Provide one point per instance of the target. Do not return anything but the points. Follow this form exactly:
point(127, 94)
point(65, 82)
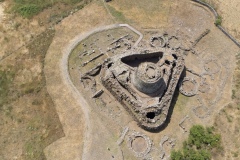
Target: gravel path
point(68, 107)
point(71, 107)
point(1, 12)
point(78, 95)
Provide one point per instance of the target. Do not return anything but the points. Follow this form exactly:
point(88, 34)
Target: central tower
point(148, 78)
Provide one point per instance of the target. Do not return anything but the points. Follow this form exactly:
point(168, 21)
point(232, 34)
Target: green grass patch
point(117, 14)
point(29, 8)
point(32, 150)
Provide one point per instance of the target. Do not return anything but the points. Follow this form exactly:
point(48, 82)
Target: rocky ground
point(29, 105)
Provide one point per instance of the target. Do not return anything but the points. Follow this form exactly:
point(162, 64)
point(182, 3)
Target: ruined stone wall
point(131, 103)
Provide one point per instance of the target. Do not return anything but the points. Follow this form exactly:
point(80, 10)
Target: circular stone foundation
point(188, 87)
point(204, 87)
point(158, 41)
point(211, 67)
point(139, 143)
point(174, 42)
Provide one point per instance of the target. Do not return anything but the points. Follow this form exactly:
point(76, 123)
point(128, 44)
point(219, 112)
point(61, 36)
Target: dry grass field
point(229, 10)
point(39, 115)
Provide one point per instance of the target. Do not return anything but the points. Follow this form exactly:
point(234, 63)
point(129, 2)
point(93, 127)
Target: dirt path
point(1, 12)
point(76, 95)
point(66, 98)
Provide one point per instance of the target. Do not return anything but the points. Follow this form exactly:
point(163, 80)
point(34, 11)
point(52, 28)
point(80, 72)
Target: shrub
point(199, 144)
point(202, 138)
point(176, 155)
point(218, 21)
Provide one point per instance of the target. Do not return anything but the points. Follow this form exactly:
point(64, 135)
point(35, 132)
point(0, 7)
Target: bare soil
point(37, 115)
point(1, 12)
point(227, 123)
point(29, 121)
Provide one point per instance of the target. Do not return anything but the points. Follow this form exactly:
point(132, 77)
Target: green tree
point(176, 155)
point(199, 144)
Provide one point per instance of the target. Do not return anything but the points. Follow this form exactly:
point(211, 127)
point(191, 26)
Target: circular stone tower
point(148, 78)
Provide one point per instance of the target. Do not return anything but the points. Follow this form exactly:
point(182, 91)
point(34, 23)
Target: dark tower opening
point(175, 56)
point(167, 62)
point(174, 64)
point(109, 65)
point(164, 71)
point(150, 115)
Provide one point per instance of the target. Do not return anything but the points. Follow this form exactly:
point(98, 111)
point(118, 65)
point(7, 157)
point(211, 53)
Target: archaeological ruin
point(144, 83)
point(138, 88)
point(141, 75)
